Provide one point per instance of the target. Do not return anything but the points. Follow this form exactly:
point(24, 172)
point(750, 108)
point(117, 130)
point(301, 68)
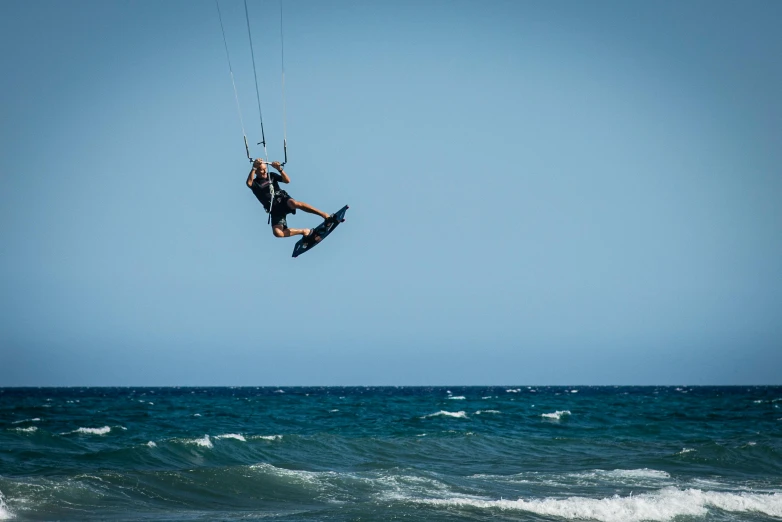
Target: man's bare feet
point(309, 235)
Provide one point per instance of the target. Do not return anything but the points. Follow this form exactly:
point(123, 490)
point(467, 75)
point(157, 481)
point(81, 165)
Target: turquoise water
point(460, 453)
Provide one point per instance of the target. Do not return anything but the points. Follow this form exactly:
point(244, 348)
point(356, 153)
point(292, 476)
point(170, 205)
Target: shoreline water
point(419, 453)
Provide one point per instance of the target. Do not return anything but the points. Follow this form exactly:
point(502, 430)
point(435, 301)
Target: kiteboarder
point(277, 202)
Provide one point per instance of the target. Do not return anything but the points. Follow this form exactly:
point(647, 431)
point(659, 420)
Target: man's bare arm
point(285, 178)
point(250, 178)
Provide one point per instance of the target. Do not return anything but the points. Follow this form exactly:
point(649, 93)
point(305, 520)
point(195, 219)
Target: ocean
point(531, 453)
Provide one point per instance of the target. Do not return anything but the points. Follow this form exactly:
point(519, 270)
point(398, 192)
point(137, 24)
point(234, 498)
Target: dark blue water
point(490, 453)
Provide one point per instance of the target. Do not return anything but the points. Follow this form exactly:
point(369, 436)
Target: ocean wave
point(515, 390)
point(458, 397)
point(480, 412)
point(307, 476)
point(90, 431)
point(396, 486)
point(4, 513)
point(267, 437)
point(663, 505)
point(204, 442)
point(234, 436)
point(643, 473)
point(641, 478)
point(557, 415)
point(320, 483)
point(31, 429)
point(455, 414)
point(27, 420)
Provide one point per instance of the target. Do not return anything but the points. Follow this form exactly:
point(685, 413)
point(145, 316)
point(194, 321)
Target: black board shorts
point(280, 210)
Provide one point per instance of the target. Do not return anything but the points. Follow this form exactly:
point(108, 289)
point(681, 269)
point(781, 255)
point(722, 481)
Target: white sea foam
point(333, 411)
point(395, 486)
point(91, 431)
point(458, 397)
point(487, 397)
point(151, 444)
point(663, 505)
point(557, 415)
point(455, 414)
point(643, 473)
point(297, 474)
point(235, 436)
point(267, 437)
point(27, 420)
point(196, 415)
point(204, 442)
point(279, 391)
point(31, 429)
point(685, 450)
point(5, 514)
point(517, 390)
point(481, 412)
point(644, 477)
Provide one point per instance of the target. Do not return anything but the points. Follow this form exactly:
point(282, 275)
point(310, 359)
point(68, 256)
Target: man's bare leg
point(290, 232)
point(292, 203)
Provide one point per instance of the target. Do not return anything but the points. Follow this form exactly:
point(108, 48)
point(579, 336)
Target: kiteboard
point(320, 232)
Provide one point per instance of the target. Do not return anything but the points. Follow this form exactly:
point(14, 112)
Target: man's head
point(259, 165)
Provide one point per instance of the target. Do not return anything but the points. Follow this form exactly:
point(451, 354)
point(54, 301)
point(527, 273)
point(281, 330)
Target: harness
point(271, 199)
point(274, 196)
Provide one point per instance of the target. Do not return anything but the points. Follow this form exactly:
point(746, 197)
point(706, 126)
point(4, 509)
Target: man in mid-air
point(276, 201)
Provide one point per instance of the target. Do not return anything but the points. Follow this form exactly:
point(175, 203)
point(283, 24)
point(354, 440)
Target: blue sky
point(541, 193)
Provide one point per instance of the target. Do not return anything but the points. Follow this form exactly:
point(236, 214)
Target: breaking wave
point(662, 506)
